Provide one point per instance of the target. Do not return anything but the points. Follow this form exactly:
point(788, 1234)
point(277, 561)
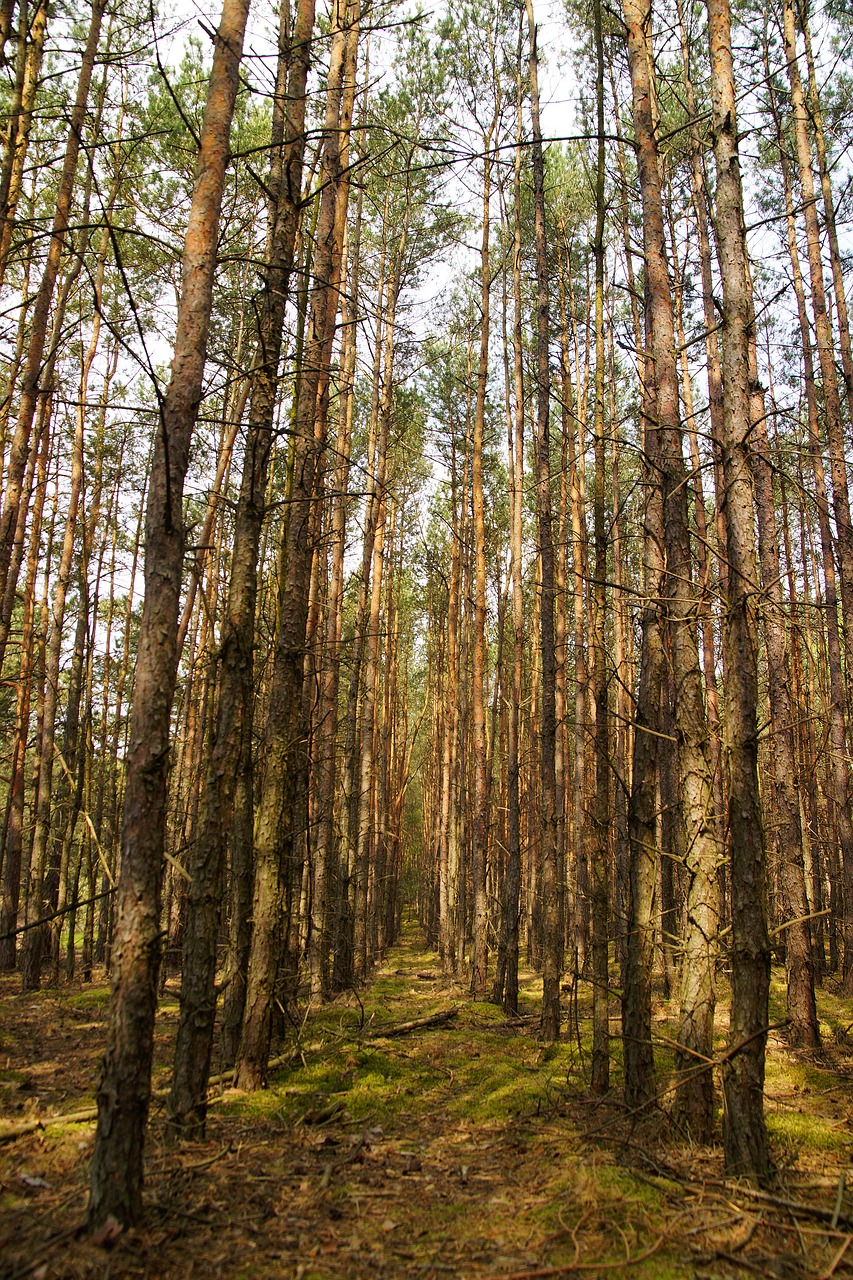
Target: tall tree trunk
point(581, 805)
point(124, 1090)
point(638, 1052)
point(601, 855)
point(282, 808)
point(321, 935)
point(14, 825)
point(744, 1129)
point(832, 405)
point(799, 967)
point(343, 975)
point(31, 37)
point(33, 369)
point(35, 941)
point(838, 729)
point(835, 259)
point(505, 990)
point(552, 872)
point(480, 817)
point(695, 1094)
point(449, 799)
point(188, 1099)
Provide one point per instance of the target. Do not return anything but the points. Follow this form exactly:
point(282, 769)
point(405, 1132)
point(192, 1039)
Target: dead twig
point(839, 1200)
point(205, 1164)
point(839, 1254)
point(568, 1267)
point(832, 1216)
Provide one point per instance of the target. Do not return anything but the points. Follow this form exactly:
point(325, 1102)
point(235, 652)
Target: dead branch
point(416, 1024)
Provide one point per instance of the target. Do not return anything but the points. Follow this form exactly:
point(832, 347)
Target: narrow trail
point(451, 1150)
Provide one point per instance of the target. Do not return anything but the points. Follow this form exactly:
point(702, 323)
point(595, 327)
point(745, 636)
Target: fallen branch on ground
point(416, 1024)
point(20, 1129)
point(832, 1216)
point(9, 1133)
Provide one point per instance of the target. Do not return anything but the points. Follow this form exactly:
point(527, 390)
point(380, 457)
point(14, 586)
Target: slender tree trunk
point(832, 406)
point(695, 1094)
point(376, 465)
point(31, 40)
point(449, 800)
point(282, 808)
point(638, 1053)
point(33, 368)
point(35, 940)
point(480, 817)
point(835, 259)
point(744, 1129)
point(583, 827)
point(802, 1011)
point(188, 1099)
point(838, 732)
point(552, 872)
point(366, 828)
point(601, 856)
point(124, 1091)
point(505, 990)
point(14, 828)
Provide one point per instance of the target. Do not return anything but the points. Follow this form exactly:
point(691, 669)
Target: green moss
point(621, 1186)
point(11, 1076)
point(91, 998)
point(797, 1131)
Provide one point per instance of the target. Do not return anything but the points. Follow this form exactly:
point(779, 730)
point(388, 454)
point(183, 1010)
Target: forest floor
point(463, 1149)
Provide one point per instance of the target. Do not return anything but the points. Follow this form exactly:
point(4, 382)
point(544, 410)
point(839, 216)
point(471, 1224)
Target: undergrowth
point(467, 1148)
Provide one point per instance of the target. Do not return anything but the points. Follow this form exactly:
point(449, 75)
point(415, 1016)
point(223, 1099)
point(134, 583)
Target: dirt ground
point(465, 1149)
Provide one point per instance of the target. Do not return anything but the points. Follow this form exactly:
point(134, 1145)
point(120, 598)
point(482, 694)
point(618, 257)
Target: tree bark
point(744, 1129)
point(832, 406)
point(638, 1052)
point(282, 808)
point(124, 1090)
point(601, 819)
point(480, 816)
point(188, 1098)
point(695, 1093)
point(33, 368)
point(551, 886)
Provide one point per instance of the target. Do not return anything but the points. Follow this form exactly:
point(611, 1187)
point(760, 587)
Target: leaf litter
point(452, 1147)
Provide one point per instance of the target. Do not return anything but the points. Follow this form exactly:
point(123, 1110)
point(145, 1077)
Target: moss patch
point(469, 1149)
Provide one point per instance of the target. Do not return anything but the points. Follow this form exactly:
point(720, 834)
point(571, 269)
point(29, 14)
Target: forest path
point(452, 1150)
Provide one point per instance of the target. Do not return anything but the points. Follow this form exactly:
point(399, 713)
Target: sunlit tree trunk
point(838, 729)
point(31, 389)
point(638, 1052)
point(31, 37)
point(282, 807)
point(601, 819)
point(188, 1099)
point(694, 1097)
point(480, 816)
point(124, 1090)
point(551, 886)
point(831, 401)
point(744, 1129)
